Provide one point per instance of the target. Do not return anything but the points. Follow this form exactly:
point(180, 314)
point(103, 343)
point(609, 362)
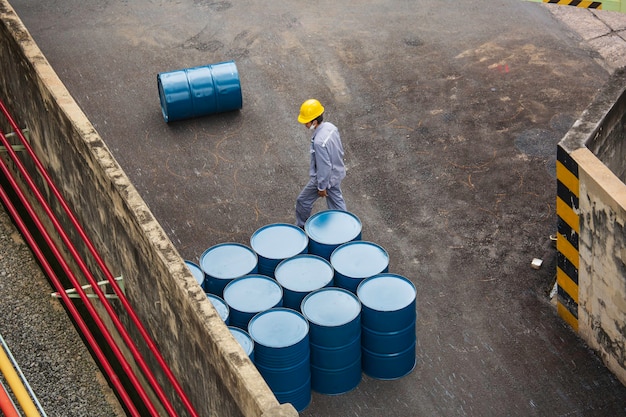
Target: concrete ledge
point(593, 248)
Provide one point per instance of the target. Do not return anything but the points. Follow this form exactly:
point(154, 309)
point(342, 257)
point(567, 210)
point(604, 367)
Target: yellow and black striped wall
point(613, 5)
point(577, 3)
point(568, 229)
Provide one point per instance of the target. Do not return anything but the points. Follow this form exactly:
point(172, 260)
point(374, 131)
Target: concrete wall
point(207, 361)
point(608, 144)
point(591, 239)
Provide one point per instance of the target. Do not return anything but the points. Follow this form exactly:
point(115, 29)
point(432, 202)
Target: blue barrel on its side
point(199, 91)
point(244, 340)
point(249, 295)
point(276, 242)
point(281, 346)
point(220, 306)
point(329, 229)
point(197, 273)
point(223, 263)
point(302, 275)
point(388, 318)
point(334, 317)
point(355, 261)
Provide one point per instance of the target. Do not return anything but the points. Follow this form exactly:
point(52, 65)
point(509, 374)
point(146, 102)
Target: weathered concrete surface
point(604, 32)
point(595, 147)
point(602, 283)
point(450, 113)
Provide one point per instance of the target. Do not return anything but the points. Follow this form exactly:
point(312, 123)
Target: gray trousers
point(308, 196)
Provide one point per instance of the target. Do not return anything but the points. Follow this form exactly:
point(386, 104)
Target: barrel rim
point(189, 263)
point(210, 296)
point(284, 262)
point(287, 225)
point(366, 282)
point(238, 280)
point(335, 289)
point(341, 247)
point(162, 99)
point(235, 329)
point(272, 311)
point(310, 220)
point(219, 245)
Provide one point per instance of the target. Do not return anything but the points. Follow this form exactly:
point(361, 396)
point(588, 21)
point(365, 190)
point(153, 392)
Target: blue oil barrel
point(281, 345)
point(245, 341)
point(276, 242)
point(388, 318)
point(329, 229)
point(220, 306)
point(224, 262)
point(334, 317)
point(249, 295)
point(355, 261)
point(301, 275)
point(197, 272)
point(199, 91)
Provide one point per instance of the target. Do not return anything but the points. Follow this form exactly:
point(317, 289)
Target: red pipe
point(6, 404)
point(92, 311)
point(115, 381)
point(132, 314)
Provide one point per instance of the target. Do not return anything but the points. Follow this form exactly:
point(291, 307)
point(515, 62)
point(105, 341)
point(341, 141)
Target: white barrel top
point(304, 273)
point(386, 292)
point(278, 328)
point(331, 307)
point(359, 259)
point(228, 260)
point(279, 241)
point(243, 338)
point(196, 271)
point(333, 227)
point(219, 305)
point(253, 293)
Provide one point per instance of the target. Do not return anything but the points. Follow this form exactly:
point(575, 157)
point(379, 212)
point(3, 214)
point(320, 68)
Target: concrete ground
point(449, 112)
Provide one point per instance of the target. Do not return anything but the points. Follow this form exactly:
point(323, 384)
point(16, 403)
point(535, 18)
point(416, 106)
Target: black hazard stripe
point(577, 3)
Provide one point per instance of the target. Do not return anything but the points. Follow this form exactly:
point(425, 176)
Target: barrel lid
point(279, 241)
point(386, 292)
point(243, 338)
point(333, 227)
point(228, 260)
point(220, 305)
point(304, 273)
point(196, 271)
point(359, 259)
point(331, 307)
point(278, 327)
point(253, 293)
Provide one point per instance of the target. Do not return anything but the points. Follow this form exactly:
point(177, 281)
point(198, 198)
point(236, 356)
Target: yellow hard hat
point(310, 110)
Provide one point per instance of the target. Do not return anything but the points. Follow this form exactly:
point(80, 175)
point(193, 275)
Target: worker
point(327, 169)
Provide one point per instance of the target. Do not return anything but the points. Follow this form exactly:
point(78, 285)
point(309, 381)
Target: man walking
point(327, 168)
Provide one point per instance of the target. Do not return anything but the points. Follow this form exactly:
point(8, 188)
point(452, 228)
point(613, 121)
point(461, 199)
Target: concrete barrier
point(209, 363)
point(591, 238)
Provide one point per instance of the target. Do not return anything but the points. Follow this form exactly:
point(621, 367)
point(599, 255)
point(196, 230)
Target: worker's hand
point(322, 193)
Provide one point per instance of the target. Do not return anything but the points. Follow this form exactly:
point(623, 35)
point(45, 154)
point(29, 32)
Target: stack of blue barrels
point(313, 308)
